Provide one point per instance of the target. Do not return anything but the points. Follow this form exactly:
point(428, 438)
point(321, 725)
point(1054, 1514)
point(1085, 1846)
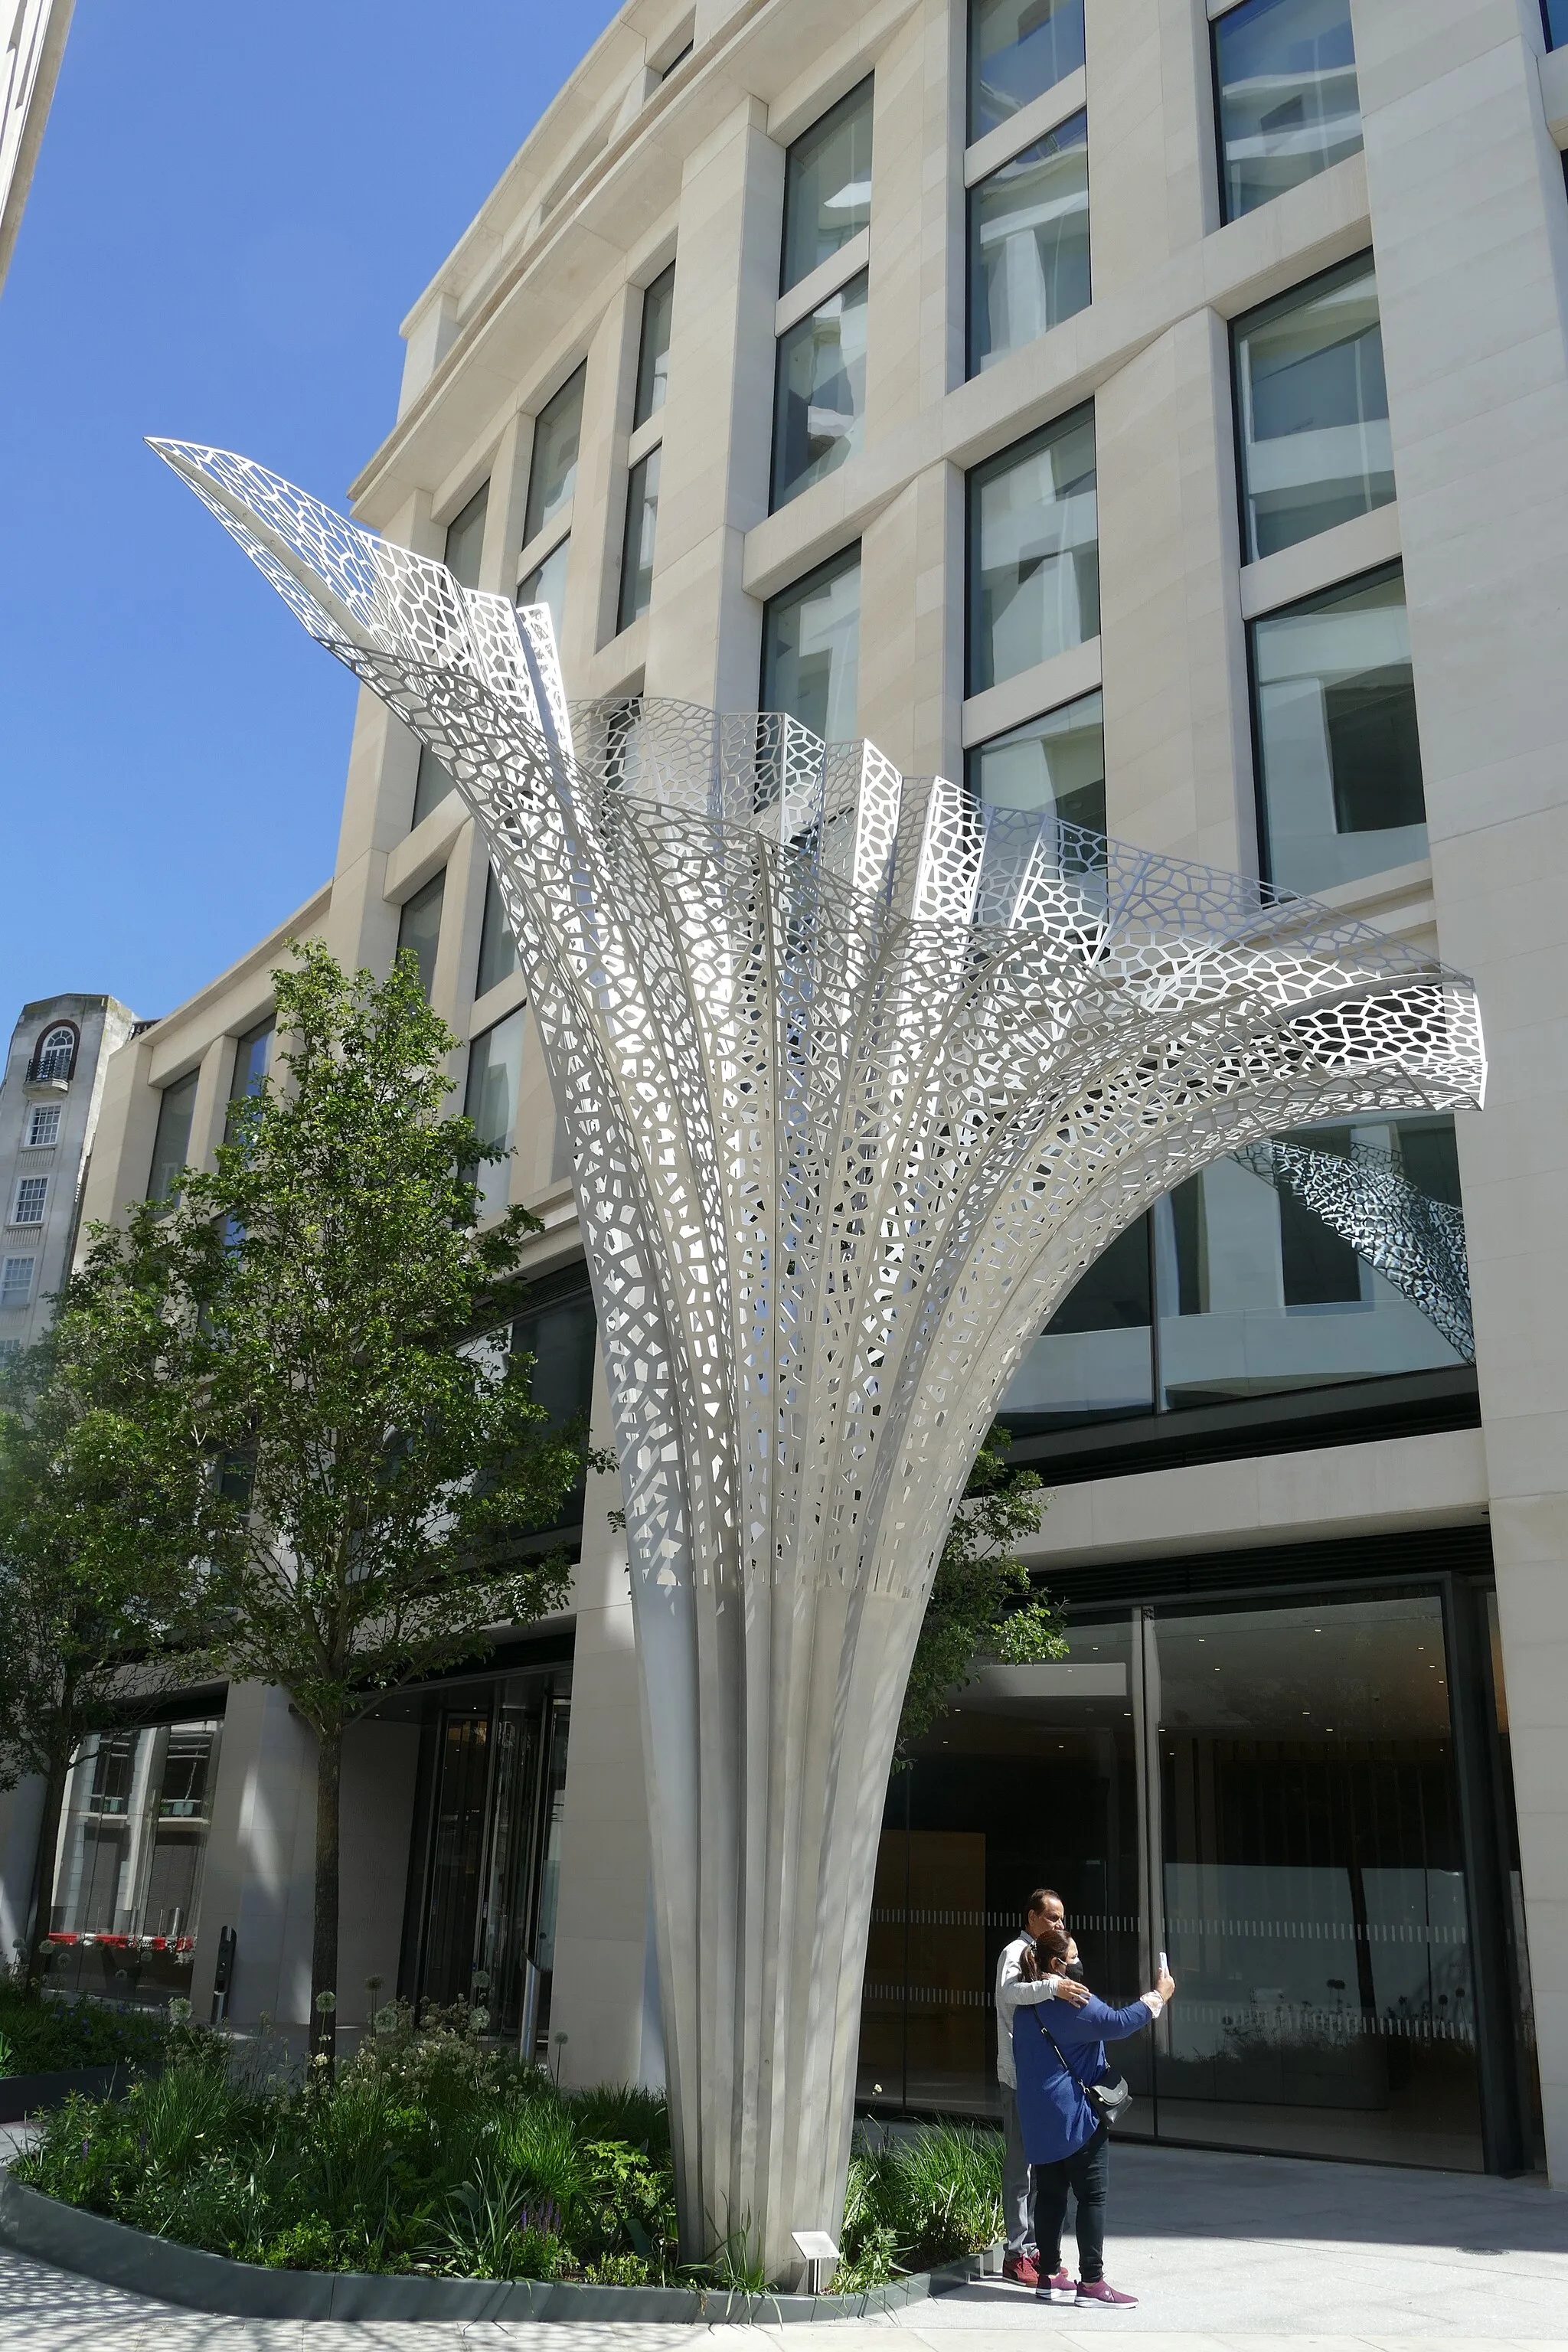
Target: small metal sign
point(814, 2247)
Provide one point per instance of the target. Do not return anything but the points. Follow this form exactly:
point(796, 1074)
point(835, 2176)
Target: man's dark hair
point(1039, 1900)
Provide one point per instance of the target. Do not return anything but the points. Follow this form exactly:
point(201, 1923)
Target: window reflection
point(546, 585)
point(1312, 410)
point(1054, 765)
point(1288, 104)
point(495, 1085)
point(1034, 551)
point(819, 419)
point(1028, 245)
point(811, 649)
point(1017, 50)
point(1256, 1296)
point(1338, 754)
point(827, 186)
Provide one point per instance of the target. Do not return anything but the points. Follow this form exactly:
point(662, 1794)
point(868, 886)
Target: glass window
point(1034, 551)
point(1289, 106)
point(553, 471)
point(172, 1143)
point(43, 1125)
point(1017, 50)
point(495, 1080)
point(677, 59)
point(1269, 1793)
point(466, 539)
point(546, 585)
point(827, 186)
point(653, 346)
point(1338, 759)
point(1256, 1295)
point(497, 949)
point(1312, 410)
point(431, 786)
point(27, 1208)
point(1055, 765)
point(811, 649)
point(252, 1059)
point(1028, 245)
point(819, 406)
point(17, 1281)
point(56, 1055)
point(134, 1836)
point(637, 551)
point(1556, 13)
point(419, 928)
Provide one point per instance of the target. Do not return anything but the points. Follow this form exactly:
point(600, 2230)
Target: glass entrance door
point(1270, 1794)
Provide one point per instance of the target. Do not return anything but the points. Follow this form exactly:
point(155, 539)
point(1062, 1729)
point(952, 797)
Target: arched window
point(57, 1054)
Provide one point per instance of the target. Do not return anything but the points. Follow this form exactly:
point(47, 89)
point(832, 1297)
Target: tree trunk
point(324, 1941)
point(39, 1901)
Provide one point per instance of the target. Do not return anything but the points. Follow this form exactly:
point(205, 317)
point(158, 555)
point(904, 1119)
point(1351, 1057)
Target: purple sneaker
point(1102, 2290)
point(1059, 2289)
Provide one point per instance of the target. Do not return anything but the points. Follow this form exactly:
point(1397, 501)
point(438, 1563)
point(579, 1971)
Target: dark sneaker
point(1021, 2270)
point(1059, 2289)
point(1102, 2290)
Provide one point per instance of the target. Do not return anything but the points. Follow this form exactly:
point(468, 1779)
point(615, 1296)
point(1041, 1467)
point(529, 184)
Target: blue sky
point(233, 210)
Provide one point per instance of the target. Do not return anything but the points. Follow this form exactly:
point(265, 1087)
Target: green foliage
point(926, 2198)
point(39, 2035)
point(982, 1600)
point(432, 2152)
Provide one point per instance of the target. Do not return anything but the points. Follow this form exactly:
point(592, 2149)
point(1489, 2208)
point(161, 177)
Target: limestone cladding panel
point(1151, 179)
point(1468, 218)
point(260, 1861)
point(914, 345)
point(912, 628)
point(1172, 653)
point(703, 639)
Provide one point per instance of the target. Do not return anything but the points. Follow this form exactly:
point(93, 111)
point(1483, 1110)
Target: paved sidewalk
point(1229, 2253)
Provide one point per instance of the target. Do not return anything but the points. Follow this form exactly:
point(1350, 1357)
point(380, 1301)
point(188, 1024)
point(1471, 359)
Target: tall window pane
point(1017, 50)
point(546, 585)
point(1094, 1360)
point(653, 347)
point(1054, 766)
point(1341, 763)
point(828, 185)
point(811, 649)
point(1034, 551)
point(637, 554)
point(1288, 105)
point(819, 416)
point(553, 471)
point(495, 1079)
point(1028, 245)
point(419, 928)
point(252, 1058)
point(1312, 410)
point(465, 543)
point(1556, 14)
point(497, 949)
point(172, 1142)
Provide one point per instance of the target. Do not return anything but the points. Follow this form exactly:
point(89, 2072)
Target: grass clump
point(913, 2202)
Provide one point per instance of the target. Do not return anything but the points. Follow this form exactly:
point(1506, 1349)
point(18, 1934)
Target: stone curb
point(40, 2226)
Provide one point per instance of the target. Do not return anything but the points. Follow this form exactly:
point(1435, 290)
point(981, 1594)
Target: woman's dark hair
point(1051, 1950)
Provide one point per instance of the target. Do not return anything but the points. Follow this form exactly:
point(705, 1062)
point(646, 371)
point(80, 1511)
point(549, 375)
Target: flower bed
point(40, 2035)
point(432, 2155)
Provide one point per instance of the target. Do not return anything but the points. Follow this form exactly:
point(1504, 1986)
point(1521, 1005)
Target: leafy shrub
point(41, 2035)
point(926, 2198)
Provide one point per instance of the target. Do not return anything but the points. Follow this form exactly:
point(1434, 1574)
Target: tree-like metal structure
point(1415, 1241)
point(858, 1077)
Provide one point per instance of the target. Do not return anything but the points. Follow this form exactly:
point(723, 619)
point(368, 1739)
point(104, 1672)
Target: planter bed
point(40, 2226)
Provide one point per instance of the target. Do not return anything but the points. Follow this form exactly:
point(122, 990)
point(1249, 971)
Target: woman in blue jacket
point(1058, 2052)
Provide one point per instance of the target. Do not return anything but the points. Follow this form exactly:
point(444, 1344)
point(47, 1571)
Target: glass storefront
point(486, 1863)
point(1268, 1792)
point(128, 1866)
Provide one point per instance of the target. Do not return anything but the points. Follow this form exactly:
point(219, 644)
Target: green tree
point(105, 1503)
point(374, 1456)
point(982, 1601)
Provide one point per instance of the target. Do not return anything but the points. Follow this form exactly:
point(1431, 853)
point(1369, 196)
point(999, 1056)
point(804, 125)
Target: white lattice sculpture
point(1364, 1196)
point(858, 1078)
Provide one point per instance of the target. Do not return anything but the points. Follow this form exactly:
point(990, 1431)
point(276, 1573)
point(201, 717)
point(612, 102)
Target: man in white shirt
point(1044, 1909)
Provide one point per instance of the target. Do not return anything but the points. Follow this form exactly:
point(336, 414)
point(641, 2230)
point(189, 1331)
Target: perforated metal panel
point(860, 1077)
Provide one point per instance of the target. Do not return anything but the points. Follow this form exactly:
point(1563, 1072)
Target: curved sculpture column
point(858, 1078)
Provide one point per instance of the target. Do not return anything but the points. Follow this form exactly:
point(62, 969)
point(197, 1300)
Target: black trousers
point(1088, 2175)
